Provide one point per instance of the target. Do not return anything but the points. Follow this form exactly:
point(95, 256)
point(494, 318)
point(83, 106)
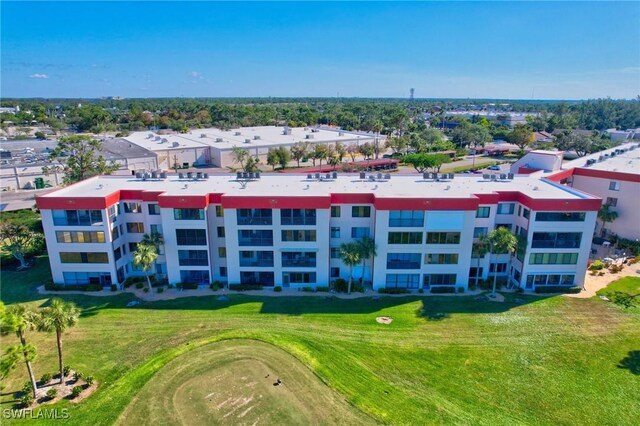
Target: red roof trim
point(426, 203)
point(283, 202)
point(353, 198)
point(184, 201)
point(607, 174)
point(561, 175)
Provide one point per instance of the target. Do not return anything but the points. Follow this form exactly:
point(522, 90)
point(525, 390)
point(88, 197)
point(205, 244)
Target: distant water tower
point(411, 92)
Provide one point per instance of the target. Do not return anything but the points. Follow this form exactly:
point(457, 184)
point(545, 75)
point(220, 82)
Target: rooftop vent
point(205, 175)
point(503, 176)
point(256, 138)
point(180, 175)
point(309, 176)
point(494, 177)
point(164, 140)
point(150, 135)
point(138, 175)
point(158, 138)
point(236, 133)
point(154, 175)
point(163, 175)
point(202, 135)
point(363, 175)
point(189, 175)
point(198, 175)
point(247, 141)
point(340, 133)
point(308, 136)
point(387, 176)
point(286, 130)
point(218, 139)
point(334, 175)
point(510, 176)
point(175, 144)
point(238, 175)
point(485, 177)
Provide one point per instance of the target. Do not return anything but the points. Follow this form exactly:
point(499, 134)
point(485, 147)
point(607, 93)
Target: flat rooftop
point(404, 186)
point(626, 162)
point(268, 136)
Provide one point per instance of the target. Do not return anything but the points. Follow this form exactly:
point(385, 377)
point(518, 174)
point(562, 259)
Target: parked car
point(494, 167)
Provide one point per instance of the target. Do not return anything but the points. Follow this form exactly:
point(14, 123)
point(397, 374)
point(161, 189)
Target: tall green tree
point(479, 250)
point(144, 257)
point(368, 249)
point(19, 319)
point(521, 136)
point(154, 239)
point(424, 162)
point(500, 241)
point(319, 153)
point(58, 316)
point(606, 215)
point(80, 158)
point(299, 150)
point(18, 240)
point(350, 256)
point(377, 128)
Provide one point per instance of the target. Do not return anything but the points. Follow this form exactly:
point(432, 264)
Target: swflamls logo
point(38, 414)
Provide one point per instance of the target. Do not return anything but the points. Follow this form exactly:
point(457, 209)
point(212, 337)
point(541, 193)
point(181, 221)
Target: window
point(439, 279)
point(77, 217)
point(117, 253)
point(553, 258)
point(335, 252)
point(135, 227)
point(198, 277)
point(614, 186)
point(475, 272)
point(222, 252)
point(299, 235)
point(223, 271)
point(335, 232)
point(219, 211)
point(124, 248)
point(193, 258)
point(252, 277)
point(359, 232)
point(133, 247)
point(506, 208)
point(298, 277)
point(114, 210)
point(498, 268)
point(441, 259)
point(132, 207)
point(191, 237)
point(483, 212)
point(298, 259)
point(297, 216)
point(80, 236)
point(103, 278)
point(248, 237)
point(361, 211)
point(556, 239)
point(612, 201)
point(560, 216)
point(115, 233)
point(188, 214)
point(220, 230)
point(254, 216)
point(403, 260)
point(503, 225)
point(156, 229)
point(406, 218)
point(256, 258)
point(480, 232)
point(402, 281)
point(154, 209)
point(525, 213)
point(83, 257)
point(553, 279)
point(335, 272)
point(335, 211)
point(443, 238)
point(405, 238)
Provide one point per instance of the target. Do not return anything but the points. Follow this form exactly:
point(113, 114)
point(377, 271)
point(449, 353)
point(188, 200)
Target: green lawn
point(443, 360)
point(629, 285)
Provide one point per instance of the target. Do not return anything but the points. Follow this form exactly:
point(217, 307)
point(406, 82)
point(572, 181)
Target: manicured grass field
point(629, 285)
point(443, 360)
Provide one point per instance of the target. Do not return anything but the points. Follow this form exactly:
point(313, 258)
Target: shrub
point(27, 387)
point(614, 269)
point(66, 370)
point(601, 273)
point(132, 280)
point(460, 289)
point(114, 287)
point(215, 286)
point(160, 289)
point(322, 288)
point(308, 289)
point(420, 290)
point(76, 391)
point(245, 287)
point(146, 289)
point(77, 376)
point(277, 289)
point(557, 289)
point(46, 378)
point(52, 393)
point(139, 285)
point(26, 400)
point(442, 290)
point(89, 380)
point(596, 265)
point(341, 286)
point(393, 291)
point(72, 287)
point(187, 286)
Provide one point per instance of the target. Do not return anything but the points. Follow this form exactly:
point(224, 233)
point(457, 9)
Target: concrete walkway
point(593, 283)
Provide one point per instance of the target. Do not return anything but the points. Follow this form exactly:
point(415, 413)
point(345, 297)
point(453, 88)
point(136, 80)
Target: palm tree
point(19, 319)
point(350, 256)
point(368, 249)
point(500, 241)
point(377, 128)
point(154, 239)
point(479, 250)
point(144, 257)
point(605, 214)
point(58, 317)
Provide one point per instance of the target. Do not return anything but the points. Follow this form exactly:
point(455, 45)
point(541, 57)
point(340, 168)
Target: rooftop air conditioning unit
point(238, 175)
point(340, 133)
point(387, 176)
point(334, 175)
point(363, 175)
point(175, 144)
point(247, 141)
point(158, 138)
point(198, 175)
point(503, 176)
point(510, 176)
point(163, 175)
point(202, 135)
point(256, 138)
point(218, 139)
point(150, 135)
point(154, 175)
point(309, 176)
point(237, 133)
point(485, 177)
point(180, 175)
point(308, 137)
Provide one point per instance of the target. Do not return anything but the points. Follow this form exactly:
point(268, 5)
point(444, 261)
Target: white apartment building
point(286, 230)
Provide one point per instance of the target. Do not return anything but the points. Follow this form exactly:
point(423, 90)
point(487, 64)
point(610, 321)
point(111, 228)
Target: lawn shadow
point(631, 362)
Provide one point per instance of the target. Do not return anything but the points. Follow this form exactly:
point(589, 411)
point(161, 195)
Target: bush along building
point(286, 230)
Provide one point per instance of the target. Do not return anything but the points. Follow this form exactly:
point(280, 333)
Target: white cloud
point(40, 76)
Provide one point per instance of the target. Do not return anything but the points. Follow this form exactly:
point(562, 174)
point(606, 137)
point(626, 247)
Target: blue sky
point(444, 49)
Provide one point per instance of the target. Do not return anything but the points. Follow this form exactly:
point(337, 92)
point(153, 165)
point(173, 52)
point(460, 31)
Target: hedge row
point(73, 287)
point(558, 289)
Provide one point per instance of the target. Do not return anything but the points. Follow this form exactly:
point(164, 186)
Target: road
point(17, 200)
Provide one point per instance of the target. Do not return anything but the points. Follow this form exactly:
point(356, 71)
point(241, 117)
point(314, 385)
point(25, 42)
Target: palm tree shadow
point(631, 362)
